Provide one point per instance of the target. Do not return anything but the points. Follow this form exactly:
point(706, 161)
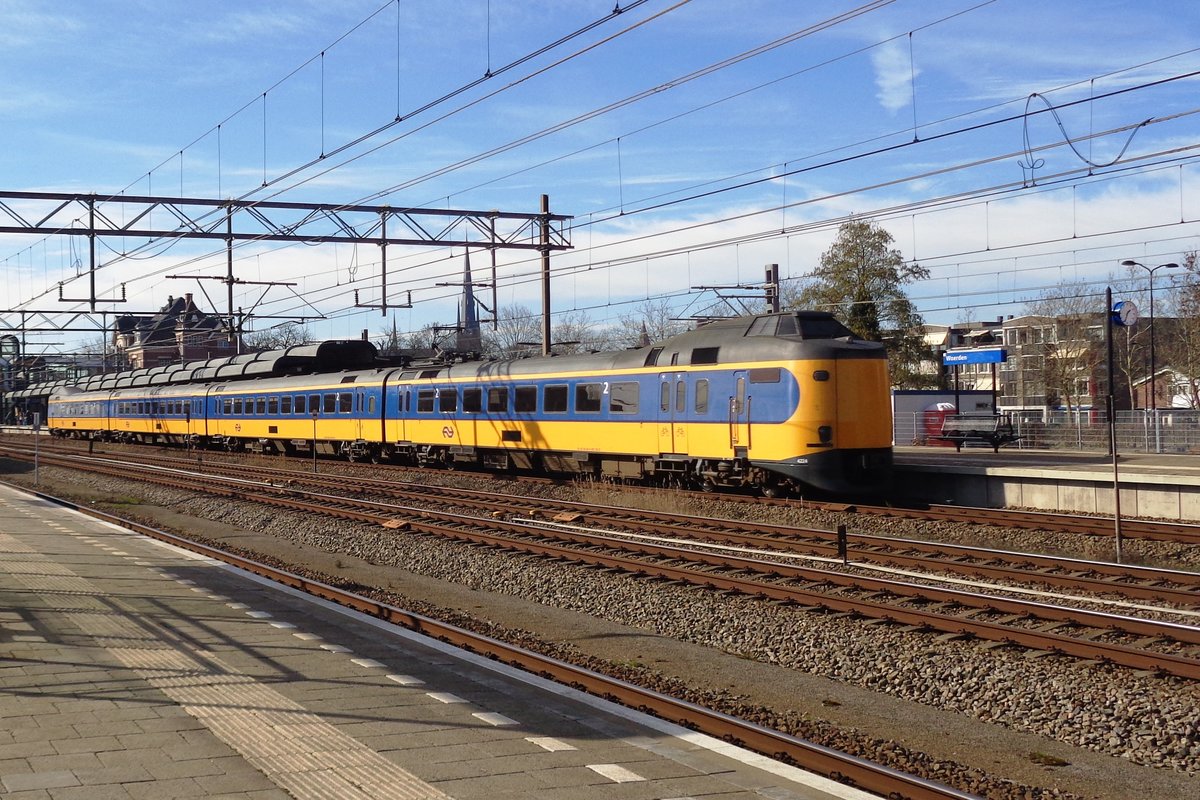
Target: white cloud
point(894, 73)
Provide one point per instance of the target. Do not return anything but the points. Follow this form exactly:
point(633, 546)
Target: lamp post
point(1153, 402)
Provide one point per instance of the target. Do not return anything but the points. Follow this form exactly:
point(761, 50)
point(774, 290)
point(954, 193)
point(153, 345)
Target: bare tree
point(277, 337)
point(652, 321)
point(390, 342)
point(1068, 330)
point(518, 329)
point(1181, 349)
point(574, 332)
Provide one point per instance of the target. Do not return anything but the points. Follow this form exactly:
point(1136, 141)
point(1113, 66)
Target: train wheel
point(773, 490)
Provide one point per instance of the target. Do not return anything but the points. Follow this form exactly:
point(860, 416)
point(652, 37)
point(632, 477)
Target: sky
point(1009, 147)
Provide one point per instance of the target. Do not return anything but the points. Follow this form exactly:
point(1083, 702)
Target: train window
point(554, 400)
point(272, 405)
point(408, 376)
point(425, 400)
point(260, 406)
point(472, 400)
point(652, 357)
point(497, 399)
point(299, 404)
point(285, 404)
point(664, 397)
point(430, 373)
point(823, 328)
point(314, 403)
point(328, 403)
point(787, 326)
point(739, 401)
point(237, 405)
point(371, 405)
point(448, 400)
point(680, 396)
point(763, 326)
point(345, 402)
point(765, 375)
point(588, 397)
point(407, 400)
point(701, 405)
point(526, 399)
point(705, 355)
point(623, 397)
point(349, 379)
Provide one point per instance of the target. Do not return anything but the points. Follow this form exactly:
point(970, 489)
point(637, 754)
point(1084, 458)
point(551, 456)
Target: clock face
point(1125, 313)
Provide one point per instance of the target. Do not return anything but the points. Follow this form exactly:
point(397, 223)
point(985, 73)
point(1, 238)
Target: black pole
point(1112, 418)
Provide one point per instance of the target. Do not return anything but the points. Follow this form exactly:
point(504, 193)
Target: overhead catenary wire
point(597, 221)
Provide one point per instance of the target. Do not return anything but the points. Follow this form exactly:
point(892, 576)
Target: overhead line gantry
point(64, 214)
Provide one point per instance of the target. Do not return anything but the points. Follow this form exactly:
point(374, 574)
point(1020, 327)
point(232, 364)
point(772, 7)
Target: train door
point(672, 412)
point(403, 407)
point(361, 418)
point(739, 415)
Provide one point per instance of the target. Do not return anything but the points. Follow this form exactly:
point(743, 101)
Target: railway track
point(1155, 530)
point(1097, 578)
point(1129, 641)
point(841, 767)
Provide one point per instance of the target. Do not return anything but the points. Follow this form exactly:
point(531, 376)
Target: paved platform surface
point(130, 669)
point(1142, 467)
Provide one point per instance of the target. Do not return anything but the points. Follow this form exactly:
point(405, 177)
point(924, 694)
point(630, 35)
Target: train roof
point(330, 356)
point(776, 336)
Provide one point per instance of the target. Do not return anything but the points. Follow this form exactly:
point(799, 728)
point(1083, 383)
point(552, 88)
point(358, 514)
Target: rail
point(840, 767)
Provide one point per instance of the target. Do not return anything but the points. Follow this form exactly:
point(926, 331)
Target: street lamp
point(1153, 404)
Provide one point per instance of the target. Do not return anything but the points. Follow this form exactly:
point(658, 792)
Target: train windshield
point(805, 326)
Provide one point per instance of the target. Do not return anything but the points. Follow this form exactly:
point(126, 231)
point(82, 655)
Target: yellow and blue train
point(775, 402)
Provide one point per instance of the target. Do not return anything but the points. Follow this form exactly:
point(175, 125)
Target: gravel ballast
point(821, 675)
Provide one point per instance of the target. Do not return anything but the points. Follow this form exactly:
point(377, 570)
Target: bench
point(991, 429)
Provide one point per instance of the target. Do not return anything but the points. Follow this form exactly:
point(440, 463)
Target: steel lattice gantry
point(91, 215)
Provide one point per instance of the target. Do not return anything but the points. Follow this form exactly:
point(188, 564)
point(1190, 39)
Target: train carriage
point(772, 401)
point(340, 411)
point(77, 414)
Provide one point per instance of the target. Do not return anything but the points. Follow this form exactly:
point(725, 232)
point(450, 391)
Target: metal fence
point(1164, 430)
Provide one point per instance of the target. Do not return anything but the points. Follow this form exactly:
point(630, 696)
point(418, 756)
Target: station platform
point(132, 669)
point(1153, 486)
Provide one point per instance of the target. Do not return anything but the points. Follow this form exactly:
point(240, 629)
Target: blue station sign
point(982, 355)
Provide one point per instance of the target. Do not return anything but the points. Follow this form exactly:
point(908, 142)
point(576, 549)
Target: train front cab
point(841, 433)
